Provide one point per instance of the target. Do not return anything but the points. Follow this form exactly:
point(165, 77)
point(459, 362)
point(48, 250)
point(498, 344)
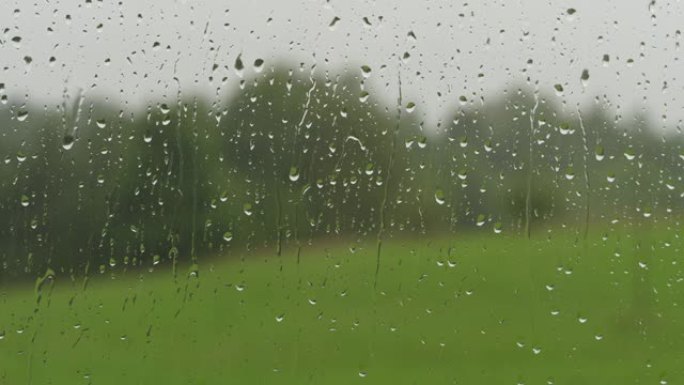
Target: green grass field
point(470, 309)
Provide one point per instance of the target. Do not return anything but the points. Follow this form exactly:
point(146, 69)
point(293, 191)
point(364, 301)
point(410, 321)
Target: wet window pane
point(332, 192)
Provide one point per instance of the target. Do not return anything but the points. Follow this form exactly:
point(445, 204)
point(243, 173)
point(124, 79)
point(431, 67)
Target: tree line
point(292, 157)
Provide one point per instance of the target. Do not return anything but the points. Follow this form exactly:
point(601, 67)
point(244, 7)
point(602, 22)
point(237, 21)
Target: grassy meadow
point(469, 309)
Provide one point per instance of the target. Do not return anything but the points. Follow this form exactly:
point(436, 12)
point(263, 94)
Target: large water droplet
point(366, 71)
point(600, 153)
point(68, 142)
point(294, 174)
point(258, 65)
point(585, 77)
point(630, 154)
point(559, 89)
point(239, 66)
point(439, 196)
point(22, 115)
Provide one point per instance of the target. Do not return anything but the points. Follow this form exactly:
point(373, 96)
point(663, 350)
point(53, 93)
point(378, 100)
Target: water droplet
point(370, 169)
point(439, 196)
point(294, 174)
point(239, 66)
point(585, 77)
point(258, 65)
point(605, 59)
point(405, 58)
point(224, 196)
point(22, 115)
point(16, 41)
point(68, 142)
point(558, 88)
point(570, 174)
point(333, 23)
point(565, 129)
point(366, 71)
point(488, 145)
point(600, 153)
point(247, 209)
point(228, 236)
point(24, 201)
point(410, 107)
point(630, 154)
point(463, 142)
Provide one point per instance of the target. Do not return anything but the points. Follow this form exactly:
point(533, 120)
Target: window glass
point(338, 192)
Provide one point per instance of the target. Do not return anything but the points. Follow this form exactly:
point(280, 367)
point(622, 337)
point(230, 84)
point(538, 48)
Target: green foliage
point(290, 158)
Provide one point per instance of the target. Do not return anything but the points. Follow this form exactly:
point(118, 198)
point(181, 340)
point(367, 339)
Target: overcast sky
point(108, 48)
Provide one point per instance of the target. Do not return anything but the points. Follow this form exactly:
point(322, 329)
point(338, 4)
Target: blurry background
point(331, 192)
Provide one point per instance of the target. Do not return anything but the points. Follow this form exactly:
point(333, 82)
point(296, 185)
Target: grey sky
point(455, 41)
